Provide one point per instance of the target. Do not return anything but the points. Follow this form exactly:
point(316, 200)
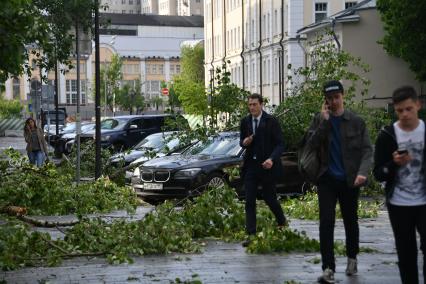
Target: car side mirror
point(133, 126)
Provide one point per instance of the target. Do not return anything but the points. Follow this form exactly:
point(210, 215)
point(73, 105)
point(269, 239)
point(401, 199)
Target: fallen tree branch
point(46, 224)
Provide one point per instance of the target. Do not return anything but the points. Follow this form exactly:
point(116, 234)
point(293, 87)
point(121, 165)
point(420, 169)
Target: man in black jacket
point(400, 160)
point(261, 136)
point(341, 138)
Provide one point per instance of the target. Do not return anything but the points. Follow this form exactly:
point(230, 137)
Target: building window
point(138, 2)
point(320, 11)
point(177, 69)
point(130, 2)
point(172, 69)
point(350, 4)
point(161, 69)
point(71, 92)
point(123, 11)
point(130, 11)
point(16, 88)
point(154, 69)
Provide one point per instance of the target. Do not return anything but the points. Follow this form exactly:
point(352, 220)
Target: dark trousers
point(254, 176)
point(329, 191)
point(405, 220)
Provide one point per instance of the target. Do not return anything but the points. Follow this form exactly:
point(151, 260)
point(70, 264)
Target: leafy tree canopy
point(304, 98)
point(405, 32)
point(42, 26)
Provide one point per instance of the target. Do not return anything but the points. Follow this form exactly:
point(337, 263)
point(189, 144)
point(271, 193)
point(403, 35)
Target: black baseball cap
point(332, 87)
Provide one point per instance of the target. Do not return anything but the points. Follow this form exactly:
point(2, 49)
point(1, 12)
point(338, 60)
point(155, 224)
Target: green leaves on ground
point(307, 207)
point(46, 191)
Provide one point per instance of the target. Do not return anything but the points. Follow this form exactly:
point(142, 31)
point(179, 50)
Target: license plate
point(153, 186)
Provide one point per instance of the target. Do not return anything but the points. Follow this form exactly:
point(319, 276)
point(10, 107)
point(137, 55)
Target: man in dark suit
point(261, 136)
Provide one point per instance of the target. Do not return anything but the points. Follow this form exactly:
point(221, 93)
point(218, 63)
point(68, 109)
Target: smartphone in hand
point(402, 151)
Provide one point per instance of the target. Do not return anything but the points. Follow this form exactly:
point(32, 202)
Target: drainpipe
point(333, 24)
point(243, 44)
point(281, 57)
point(259, 48)
point(211, 63)
point(224, 30)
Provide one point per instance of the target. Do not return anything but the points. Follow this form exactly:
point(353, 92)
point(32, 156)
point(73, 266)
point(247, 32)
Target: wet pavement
point(222, 262)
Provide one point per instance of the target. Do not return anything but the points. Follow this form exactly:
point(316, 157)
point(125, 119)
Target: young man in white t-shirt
point(399, 160)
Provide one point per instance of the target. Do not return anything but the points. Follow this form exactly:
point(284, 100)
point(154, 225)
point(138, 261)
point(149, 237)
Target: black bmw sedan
point(201, 166)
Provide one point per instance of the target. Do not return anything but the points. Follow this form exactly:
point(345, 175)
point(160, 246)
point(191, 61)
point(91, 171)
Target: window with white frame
point(320, 11)
point(71, 92)
point(16, 88)
point(349, 4)
point(275, 22)
point(177, 69)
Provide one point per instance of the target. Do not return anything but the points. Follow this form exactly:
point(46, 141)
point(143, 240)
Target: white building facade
point(155, 7)
point(260, 40)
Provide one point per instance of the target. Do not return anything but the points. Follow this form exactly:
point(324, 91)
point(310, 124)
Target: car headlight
point(105, 138)
point(187, 173)
point(137, 172)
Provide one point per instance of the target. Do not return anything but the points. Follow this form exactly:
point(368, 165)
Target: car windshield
point(87, 127)
point(151, 142)
point(70, 127)
point(157, 142)
point(113, 123)
point(218, 146)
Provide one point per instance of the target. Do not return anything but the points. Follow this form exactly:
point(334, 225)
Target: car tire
point(215, 180)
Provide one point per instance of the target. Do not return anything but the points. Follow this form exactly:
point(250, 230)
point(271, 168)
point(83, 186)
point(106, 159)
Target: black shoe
point(246, 243)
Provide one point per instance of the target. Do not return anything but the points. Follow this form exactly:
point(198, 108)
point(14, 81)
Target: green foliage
point(87, 160)
point(10, 108)
point(305, 97)
point(227, 100)
point(275, 240)
point(405, 32)
point(130, 97)
point(110, 76)
point(42, 22)
point(19, 247)
point(307, 207)
point(46, 191)
point(216, 213)
point(189, 84)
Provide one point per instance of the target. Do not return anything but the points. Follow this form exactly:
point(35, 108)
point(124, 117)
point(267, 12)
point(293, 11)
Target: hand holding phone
point(402, 151)
point(325, 110)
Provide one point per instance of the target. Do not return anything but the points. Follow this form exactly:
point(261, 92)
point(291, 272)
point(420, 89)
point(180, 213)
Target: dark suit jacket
point(267, 143)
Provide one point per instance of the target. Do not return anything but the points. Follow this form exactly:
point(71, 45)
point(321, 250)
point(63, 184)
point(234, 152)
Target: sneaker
point(352, 268)
point(327, 276)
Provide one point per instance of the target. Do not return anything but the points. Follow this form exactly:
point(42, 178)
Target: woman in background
point(36, 145)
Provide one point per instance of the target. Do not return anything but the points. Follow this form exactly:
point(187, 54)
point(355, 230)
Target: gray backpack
point(308, 161)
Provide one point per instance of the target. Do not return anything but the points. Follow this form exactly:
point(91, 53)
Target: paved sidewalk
point(229, 263)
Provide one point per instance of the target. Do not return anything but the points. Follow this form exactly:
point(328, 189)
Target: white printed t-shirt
point(410, 183)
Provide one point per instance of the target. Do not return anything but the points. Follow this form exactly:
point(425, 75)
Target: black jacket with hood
point(385, 168)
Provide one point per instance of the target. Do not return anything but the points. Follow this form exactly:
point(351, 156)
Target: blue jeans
point(37, 158)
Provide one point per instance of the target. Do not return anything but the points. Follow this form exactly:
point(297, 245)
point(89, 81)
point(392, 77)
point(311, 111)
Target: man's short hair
point(403, 93)
point(256, 96)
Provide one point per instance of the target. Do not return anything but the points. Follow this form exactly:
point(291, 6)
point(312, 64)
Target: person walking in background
point(261, 136)
point(399, 160)
point(36, 145)
point(341, 138)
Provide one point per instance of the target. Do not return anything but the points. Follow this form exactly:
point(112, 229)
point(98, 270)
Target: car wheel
point(216, 181)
